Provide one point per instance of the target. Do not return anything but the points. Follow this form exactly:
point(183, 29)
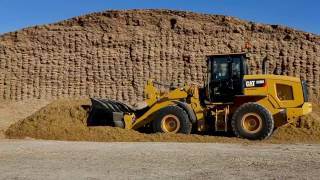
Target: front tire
point(252, 121)
point(172, 119)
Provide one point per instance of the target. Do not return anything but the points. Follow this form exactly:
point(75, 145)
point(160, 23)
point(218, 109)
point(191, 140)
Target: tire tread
point(182, 115)
point(266, 117)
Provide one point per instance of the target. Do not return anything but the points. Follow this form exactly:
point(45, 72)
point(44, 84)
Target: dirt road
point(36, 159)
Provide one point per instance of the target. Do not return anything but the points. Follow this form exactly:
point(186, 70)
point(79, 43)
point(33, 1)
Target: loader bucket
point(105, 112)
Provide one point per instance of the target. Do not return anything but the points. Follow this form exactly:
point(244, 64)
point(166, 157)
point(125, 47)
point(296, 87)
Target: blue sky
point(299, 14)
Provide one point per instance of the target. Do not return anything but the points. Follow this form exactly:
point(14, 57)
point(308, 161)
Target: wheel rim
point(170, 124)
point(251, 123)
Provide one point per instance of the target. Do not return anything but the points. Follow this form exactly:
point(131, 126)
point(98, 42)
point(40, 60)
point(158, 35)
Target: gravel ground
point(39, 159)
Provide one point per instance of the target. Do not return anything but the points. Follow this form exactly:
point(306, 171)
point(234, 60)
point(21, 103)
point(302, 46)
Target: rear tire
point(252, 121)
point(172, 119)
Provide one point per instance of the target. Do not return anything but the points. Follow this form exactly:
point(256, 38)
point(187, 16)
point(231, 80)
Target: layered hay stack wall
point(112, 54)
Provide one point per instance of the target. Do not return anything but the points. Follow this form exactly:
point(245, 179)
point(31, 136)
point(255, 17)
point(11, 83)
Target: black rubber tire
point(265, 115)
point(185, 124)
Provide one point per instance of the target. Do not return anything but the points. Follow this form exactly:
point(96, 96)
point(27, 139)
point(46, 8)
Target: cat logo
point(250, 83)
point(255, 83)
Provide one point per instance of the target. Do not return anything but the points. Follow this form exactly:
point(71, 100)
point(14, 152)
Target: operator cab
point(225, 76)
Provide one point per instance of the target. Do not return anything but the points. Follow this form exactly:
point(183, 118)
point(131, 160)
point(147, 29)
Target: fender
point(188, 109)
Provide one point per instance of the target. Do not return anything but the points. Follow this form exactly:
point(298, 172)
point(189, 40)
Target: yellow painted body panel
point(156, 102)
point(299, 111)
point(272, 76)
point(146, 117)
point(293, 108)
point(197, 108)
point(151, 93)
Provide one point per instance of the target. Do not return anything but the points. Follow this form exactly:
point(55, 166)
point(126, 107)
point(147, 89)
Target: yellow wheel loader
point(251, 106)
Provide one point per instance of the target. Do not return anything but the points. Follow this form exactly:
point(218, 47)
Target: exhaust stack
point(265, 67)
